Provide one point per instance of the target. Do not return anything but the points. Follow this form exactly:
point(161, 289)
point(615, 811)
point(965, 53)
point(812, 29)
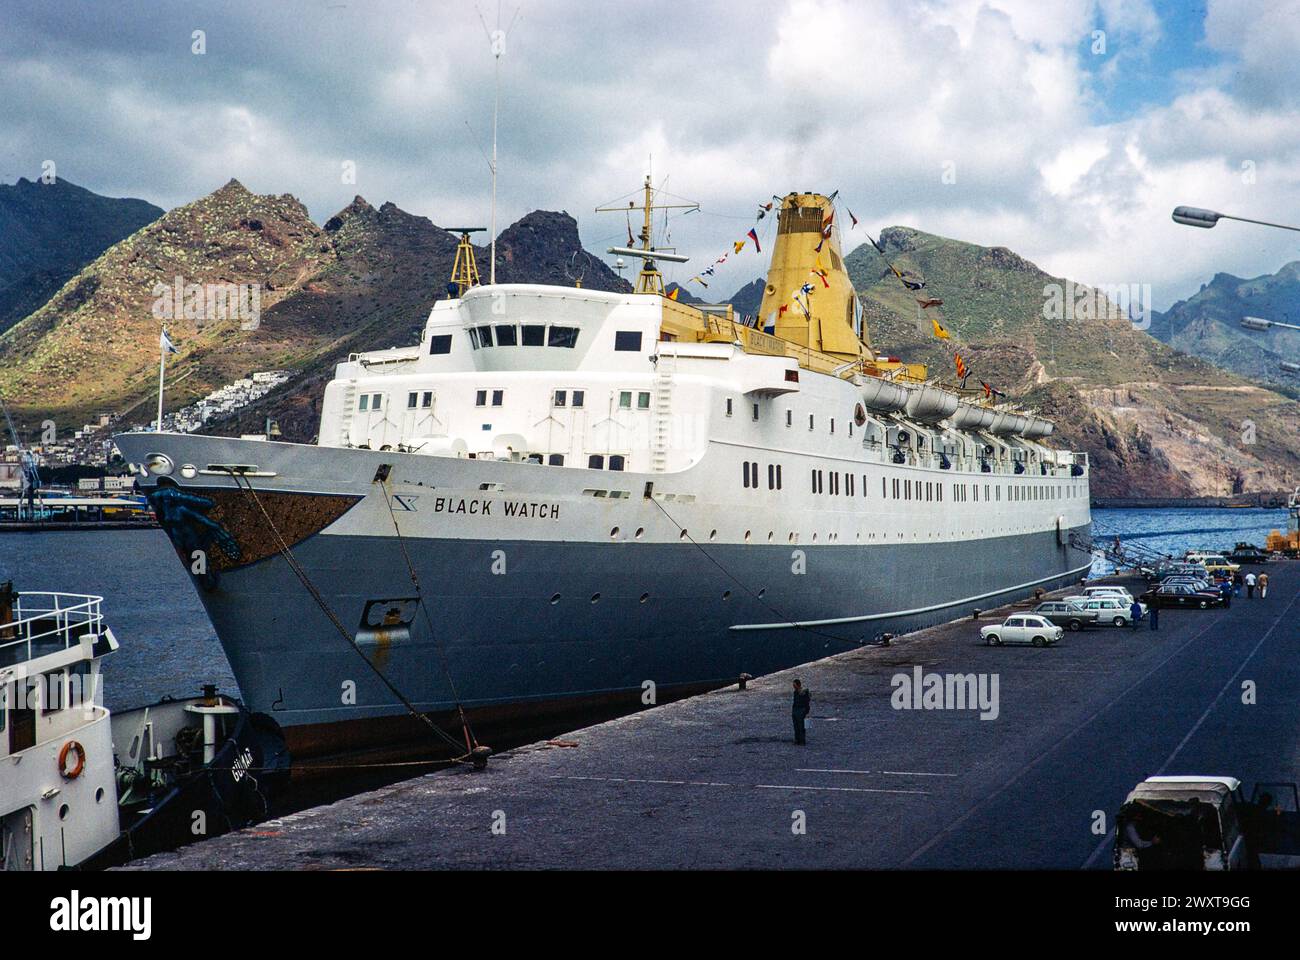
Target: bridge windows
point(616, 461)
point(555, 460)
point(534, 335)
point(440, 343)
point(562, 337)
point(507, 335)
point(595, 462)
point(371, 401)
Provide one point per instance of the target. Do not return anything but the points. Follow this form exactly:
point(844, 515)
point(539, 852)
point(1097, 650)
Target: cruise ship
point(562, 498)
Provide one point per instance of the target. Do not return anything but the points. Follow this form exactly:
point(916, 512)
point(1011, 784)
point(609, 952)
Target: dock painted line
point(888, 773)
point(1069, 735)
point(1101, 847)
point(904, 613)
point(754, 786)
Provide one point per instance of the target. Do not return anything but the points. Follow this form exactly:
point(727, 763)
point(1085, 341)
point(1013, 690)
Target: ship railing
point(43, 623)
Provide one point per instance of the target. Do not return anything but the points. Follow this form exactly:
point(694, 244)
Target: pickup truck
point(1204, 823)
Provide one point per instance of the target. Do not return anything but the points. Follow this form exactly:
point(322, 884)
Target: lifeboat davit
point(878, 394)
point(969, 416)
point(1006, 423)
point(930, 404)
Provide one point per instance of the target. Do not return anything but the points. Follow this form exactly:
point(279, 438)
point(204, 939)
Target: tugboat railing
point(48, 620)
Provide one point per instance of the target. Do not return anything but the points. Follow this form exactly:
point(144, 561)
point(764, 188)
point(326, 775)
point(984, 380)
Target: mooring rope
point(306, 581)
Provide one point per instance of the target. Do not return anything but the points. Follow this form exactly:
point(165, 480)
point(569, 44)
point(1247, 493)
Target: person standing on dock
point(1250, 585)
point(1263, 585)
point(799, 711)
point(1134, 614)
point(1225, 591)
point(1236, 584)
point(1153, 618)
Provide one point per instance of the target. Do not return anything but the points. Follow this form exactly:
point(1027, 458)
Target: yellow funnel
point(826, 317)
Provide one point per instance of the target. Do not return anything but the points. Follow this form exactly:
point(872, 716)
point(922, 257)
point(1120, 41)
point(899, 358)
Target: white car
point(1113, 610)
point(1022, 628)
point(1111, 591)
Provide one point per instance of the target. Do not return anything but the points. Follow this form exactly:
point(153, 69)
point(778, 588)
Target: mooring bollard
point(744, 679)
point(975, 614)
point(479, 757)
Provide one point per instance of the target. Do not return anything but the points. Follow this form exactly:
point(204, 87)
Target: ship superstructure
point(591, 491)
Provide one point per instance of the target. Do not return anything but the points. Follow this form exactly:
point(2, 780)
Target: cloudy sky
point(1064, 129)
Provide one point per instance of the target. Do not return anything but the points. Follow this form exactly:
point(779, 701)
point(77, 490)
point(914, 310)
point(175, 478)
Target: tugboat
point(83, 788)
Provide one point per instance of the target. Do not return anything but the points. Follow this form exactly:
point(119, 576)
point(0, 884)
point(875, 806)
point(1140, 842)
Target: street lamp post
point(1199, 217)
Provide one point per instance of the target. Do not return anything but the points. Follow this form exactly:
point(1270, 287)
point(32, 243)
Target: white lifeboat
point(1006, 423)
point(1037, 428)
point(882, 395)
point(930, 404)
point(969, 416)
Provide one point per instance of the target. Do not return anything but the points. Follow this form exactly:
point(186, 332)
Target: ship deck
point(716, 782)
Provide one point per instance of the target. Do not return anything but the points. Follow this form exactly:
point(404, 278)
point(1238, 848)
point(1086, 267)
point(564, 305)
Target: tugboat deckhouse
point(593, 490)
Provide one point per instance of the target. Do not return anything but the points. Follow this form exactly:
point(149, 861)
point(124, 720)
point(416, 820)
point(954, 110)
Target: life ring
point(72, 747)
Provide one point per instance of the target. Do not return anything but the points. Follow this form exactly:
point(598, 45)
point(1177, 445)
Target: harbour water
point(168, 646)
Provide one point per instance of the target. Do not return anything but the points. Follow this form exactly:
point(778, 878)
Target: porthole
point(613, 534)
point(645, 597)
point(640, 532)
point(747, 536)
point(814, 538)
point(555, 598)
point(99, 795)
point(726, 594)
point(595, 598)
point(63, 812)
point(682, 535)
point(713, 534)
point(762, 593)
point(770, 536)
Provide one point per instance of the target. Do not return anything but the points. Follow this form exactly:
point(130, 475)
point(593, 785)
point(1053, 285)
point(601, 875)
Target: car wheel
point(1204, 604)
point(1076, 625)
point(1118, 621)
point(994, 640)
point(1038, 641)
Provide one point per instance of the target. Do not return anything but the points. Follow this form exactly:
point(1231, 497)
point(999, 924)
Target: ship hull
point(543, 599)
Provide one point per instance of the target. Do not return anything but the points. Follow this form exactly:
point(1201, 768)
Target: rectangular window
point(778, 476)
point(412, 401)
point(485, 336)
point(440, 343)
point(616, 462)
point(629, 340)
point(728, 406)
point(556, 460)
point(789, 418)
point(53, 683)
point(376, 401)
point(426, 399)
point(473, 338)
point(480, 398)
point(579, 397)
point(595, 462)
point(643, 401)
point(832, 424)
point(810, 421)
point(771, 476)
point(534, 335)
point(625, 400)
point(364, 403)
point(497, 397)
point(507, 335)
point(744, 469)
point(560, 399)
point(755, 411)
point(562, 337)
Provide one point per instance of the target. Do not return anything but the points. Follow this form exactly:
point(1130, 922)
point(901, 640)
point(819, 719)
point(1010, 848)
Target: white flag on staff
point(165, 343)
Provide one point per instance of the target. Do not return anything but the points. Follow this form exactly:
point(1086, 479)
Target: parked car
point(1022, 628)
point(1112, 610)
point(1204, 823)
point(1072, 616)
point(1198, 583)
point(1216, 563)
point(1107, 591)
point(1248, 553)
point(1181, 595)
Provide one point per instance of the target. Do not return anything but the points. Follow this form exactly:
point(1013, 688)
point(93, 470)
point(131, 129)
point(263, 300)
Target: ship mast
point(649, 280)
